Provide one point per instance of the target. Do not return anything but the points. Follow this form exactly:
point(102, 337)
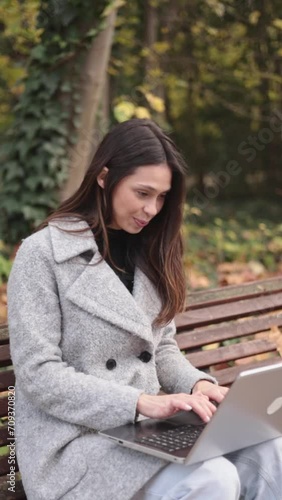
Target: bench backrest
point(225, 330)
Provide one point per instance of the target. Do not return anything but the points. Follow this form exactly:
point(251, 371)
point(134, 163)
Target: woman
point(91, 301)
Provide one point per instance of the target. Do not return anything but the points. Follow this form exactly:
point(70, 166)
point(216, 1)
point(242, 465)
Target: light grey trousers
point(252, 473)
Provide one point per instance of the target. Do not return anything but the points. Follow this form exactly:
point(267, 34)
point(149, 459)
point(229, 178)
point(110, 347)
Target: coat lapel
point(98, 290)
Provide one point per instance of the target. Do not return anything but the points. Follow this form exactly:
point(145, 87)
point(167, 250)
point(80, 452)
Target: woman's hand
point(199, 401)
point(167, 405)
point(212, 391)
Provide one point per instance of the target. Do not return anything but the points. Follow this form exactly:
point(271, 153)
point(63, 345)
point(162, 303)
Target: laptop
point(250, 413)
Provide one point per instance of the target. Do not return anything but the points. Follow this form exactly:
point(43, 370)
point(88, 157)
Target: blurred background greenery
point(209, 72)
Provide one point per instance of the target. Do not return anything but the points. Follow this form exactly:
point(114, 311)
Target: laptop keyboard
point(174, 439)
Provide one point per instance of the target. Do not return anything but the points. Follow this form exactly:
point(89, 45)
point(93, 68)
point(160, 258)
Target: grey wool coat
point(68, 321)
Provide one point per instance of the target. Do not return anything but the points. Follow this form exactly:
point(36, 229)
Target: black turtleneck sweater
point(119, 243)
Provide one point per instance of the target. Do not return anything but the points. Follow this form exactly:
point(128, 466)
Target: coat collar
point(67, 245)
point(98, 289)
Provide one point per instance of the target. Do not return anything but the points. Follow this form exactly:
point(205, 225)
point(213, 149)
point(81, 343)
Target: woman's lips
point(140, 223)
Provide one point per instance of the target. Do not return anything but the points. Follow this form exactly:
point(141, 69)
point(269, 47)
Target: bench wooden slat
point(226, 376)
point(201, 337)
point(4, 406)
point(4, 435)
point(5, 356)
point(4, 334)
point(7, 378)
point(5, 466)
point(5, 494)
point(215, 314)
point(231, 293)
point(204, 359)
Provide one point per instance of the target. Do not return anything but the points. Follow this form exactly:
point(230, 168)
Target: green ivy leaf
point(38, 53)
point(48, 182)
point(23, 148)
point(31, 128)
point(113, 4)
point(14, 171)
point(66, 87)
point(76, 122)
point(32, 183)
point(91, 33)
point(11, 205)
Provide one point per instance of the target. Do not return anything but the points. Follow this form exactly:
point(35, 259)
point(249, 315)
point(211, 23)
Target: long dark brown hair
point(159, 252)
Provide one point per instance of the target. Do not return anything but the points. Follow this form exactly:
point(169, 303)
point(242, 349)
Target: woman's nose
point(151, 208)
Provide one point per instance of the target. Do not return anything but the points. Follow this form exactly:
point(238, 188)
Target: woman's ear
point(101, 177)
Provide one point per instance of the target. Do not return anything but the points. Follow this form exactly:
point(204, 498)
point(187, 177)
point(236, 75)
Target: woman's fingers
point(199, 403)
point(213, 391)
point(205, 410)
point(163, 406)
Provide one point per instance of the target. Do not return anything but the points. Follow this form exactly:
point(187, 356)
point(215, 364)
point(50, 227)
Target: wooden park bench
point(226, 330)
point(222, 331)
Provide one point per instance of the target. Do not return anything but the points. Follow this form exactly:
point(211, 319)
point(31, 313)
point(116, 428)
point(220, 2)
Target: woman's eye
point(141, 193)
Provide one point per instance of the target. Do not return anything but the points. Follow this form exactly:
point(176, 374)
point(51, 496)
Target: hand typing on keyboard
point(163, 406)
point(200, 401)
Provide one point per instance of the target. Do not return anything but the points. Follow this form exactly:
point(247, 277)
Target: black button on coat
point(145, 356)
point(111, 364)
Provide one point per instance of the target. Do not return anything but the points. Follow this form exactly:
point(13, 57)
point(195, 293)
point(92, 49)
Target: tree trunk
point(151, 35)
point(92, 86)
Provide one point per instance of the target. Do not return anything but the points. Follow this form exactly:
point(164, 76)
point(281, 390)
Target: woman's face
point(139, 197)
